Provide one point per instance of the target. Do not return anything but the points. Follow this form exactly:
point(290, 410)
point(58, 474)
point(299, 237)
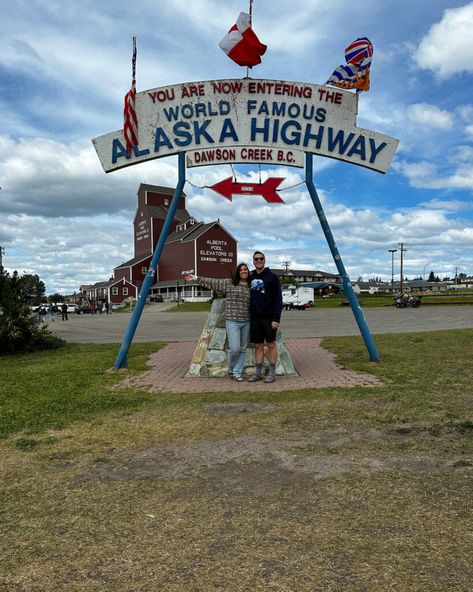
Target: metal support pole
point(347, 286)
point(122, 358)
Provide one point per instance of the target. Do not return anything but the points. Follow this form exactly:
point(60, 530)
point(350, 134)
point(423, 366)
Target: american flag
point(130, 121)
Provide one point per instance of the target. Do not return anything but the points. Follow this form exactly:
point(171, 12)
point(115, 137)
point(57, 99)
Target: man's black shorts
point(261, 331)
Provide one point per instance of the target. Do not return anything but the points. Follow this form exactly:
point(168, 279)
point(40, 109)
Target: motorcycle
point(406, 301)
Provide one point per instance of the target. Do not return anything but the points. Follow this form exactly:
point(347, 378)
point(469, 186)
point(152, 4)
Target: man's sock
point(258, 370)
point(272, 370)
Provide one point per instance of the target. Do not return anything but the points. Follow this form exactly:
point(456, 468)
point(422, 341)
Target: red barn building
point(205, 248)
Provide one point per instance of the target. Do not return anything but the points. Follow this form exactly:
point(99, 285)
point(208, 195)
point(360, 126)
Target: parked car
point(83, 309)
point(156, 298)
point(36, 308)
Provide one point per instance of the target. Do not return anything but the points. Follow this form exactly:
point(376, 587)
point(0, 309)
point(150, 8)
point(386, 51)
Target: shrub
point(19, 328)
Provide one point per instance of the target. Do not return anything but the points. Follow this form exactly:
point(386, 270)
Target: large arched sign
point(248, 121)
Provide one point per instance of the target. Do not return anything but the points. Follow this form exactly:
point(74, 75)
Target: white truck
point(297, 298)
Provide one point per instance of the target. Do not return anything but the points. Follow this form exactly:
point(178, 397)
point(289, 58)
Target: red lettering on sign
point(193, 90)
point(330, 97)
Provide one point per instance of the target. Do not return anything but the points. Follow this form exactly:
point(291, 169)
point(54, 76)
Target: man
point(265, 313)
point(64, 311)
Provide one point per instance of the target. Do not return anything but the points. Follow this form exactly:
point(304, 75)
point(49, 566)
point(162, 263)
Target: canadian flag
point(241, 43)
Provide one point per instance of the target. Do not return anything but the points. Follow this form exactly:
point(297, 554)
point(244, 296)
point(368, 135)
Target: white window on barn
point(144, 270)
point(125, 291)
point(166, 202)
point(114, 291)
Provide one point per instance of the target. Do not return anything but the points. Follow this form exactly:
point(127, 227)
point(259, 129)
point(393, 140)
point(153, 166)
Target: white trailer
point(297, 298)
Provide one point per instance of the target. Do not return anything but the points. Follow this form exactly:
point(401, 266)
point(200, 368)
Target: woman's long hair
point(236, 274)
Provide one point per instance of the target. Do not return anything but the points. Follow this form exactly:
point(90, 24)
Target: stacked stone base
point(210, 358)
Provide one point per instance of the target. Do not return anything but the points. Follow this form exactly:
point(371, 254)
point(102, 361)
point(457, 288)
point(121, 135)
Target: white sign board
point(264, 121)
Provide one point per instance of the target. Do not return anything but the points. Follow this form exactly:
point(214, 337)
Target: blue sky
point(65, 67)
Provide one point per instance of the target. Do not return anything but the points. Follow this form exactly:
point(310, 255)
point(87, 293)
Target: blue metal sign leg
point(347, 287)
point(122, 358)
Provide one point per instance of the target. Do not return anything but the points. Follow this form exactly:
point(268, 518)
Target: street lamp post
point(403, 250)
point(423, 272)
point(392, 251)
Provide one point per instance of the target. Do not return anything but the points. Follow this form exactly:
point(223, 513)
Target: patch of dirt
point(249, 462)
point(237, 408)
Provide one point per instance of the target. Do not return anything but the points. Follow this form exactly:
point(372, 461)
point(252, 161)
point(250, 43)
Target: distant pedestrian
point(64, 312)
point(53, 310)
point(42, 312)
point(93, 308)
point(106, 308)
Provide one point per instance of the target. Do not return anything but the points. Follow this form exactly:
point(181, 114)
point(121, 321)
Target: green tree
point(32, 289)
point(19, 328)
point(56, 297)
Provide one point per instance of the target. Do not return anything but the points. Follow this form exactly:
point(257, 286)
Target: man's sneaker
point(238, 378)
point(255, 378)
point(269, 378)
point(230, 374)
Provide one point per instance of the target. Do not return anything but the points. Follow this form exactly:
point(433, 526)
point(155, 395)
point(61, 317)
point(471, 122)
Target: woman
point(237, 324)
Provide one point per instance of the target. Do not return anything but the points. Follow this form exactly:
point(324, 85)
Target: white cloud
point(49, 178)
point(426, 175)
point(430, 116)
point(469, 130)
point(454, 205)
point(447, 49)
point(64, 69)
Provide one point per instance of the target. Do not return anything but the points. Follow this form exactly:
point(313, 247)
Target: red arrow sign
point(227, 188)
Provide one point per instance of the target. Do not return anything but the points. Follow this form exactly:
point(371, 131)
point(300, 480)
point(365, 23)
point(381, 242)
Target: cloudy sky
point(65, 67)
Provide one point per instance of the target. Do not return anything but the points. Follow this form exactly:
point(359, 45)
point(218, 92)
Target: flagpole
point(251, 25)
point(133, 61)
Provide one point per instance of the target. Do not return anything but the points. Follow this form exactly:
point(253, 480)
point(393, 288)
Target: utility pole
point(2, 252)
point(403, 250)
point(392, 251)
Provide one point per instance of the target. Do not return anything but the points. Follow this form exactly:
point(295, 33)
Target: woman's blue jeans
point(238, 333)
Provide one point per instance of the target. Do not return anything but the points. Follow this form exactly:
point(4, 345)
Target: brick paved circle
point(315, 366)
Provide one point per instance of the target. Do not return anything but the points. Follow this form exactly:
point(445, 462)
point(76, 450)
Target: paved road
point(158, 325)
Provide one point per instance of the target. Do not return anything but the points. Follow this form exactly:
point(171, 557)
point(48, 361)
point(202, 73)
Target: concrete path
point(158, 325)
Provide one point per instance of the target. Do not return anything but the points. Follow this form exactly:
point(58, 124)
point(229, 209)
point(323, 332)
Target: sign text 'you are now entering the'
point(248, 121)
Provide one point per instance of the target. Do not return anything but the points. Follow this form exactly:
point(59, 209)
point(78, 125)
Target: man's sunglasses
point(258, 258)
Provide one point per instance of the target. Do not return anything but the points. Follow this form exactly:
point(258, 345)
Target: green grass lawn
point(54, 388)
point(106, 487)
point(191, 307)
point(365, 300)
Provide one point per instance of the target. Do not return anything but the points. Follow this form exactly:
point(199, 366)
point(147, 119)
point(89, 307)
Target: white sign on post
point(248, 121)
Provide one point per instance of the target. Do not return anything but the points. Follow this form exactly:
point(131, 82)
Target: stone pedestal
point(211, 353)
